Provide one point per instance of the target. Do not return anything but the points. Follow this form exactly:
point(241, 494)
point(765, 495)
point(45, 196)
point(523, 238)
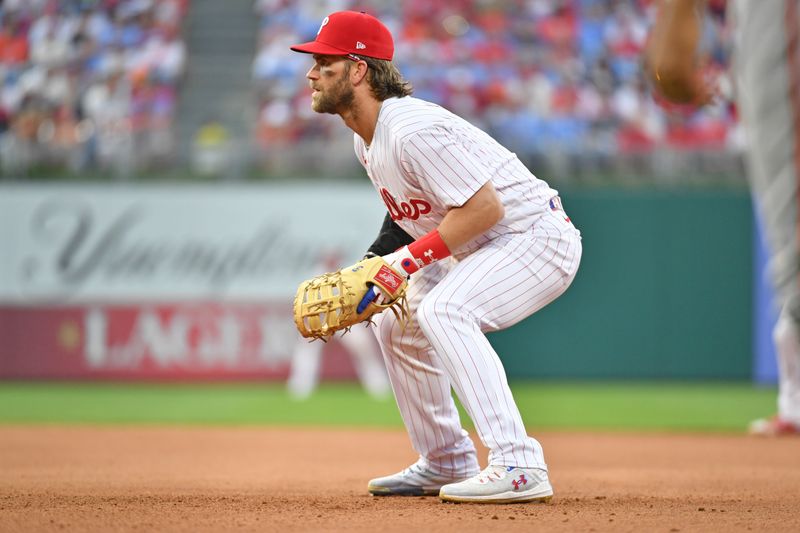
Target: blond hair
point(385, 80)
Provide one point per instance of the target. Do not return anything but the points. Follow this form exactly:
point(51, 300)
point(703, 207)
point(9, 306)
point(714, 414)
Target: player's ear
point(358, 72)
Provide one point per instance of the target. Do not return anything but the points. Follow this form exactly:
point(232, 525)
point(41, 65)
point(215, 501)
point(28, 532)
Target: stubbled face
point(329, 79)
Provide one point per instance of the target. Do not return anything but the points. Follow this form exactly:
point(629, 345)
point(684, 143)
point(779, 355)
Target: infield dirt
point(75, 478)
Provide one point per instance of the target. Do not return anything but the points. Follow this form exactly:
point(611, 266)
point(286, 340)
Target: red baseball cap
point(350, 32)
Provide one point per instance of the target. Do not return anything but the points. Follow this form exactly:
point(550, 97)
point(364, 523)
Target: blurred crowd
point(557, 81)
point(88, 83)
point(94, 84)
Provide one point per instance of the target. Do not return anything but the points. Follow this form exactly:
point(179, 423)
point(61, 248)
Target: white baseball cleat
point(501, 484)
point(774, 426)
point(416, 480)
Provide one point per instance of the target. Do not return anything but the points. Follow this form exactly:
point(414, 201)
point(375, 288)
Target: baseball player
point(485, 244)
point(767, 70)
point(304, 372)
point(305, 369)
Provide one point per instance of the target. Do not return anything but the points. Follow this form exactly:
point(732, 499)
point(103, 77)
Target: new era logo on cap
point(336, 33)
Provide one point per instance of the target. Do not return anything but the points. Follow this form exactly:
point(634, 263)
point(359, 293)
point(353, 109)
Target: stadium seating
point(88, 84)
point(559, 81)
point(94, 84)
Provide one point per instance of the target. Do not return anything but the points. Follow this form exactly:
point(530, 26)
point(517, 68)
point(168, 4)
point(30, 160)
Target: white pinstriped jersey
point(424, 160)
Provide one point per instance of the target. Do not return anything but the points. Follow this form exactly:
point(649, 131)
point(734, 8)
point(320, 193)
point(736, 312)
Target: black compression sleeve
point(390, 238)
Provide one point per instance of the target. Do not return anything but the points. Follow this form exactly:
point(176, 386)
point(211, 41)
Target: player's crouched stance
point(484, 244)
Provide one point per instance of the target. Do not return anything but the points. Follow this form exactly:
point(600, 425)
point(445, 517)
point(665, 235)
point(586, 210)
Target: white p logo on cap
point(324, 22)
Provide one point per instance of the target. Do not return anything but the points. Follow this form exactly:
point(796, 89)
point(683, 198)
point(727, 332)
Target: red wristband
point(429, 248)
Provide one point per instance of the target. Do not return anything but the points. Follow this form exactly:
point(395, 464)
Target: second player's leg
point(769, 48)
point(367, 360)
point(304, 372)
point(787, 346)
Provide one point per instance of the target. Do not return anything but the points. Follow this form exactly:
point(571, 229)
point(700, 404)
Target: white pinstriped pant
point(767, 66)
point(452, 304)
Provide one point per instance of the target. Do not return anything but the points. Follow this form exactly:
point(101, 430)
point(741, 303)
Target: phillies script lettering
point(412, 209)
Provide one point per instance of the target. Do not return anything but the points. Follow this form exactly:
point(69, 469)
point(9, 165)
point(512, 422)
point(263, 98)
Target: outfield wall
point(194, 282)
point(168, 282)
point(664, 291)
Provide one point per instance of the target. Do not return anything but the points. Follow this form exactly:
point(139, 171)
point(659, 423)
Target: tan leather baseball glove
point(328, 303)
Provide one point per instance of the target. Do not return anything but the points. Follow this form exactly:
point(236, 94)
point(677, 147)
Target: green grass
point(644, 406)
point(544, 405)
